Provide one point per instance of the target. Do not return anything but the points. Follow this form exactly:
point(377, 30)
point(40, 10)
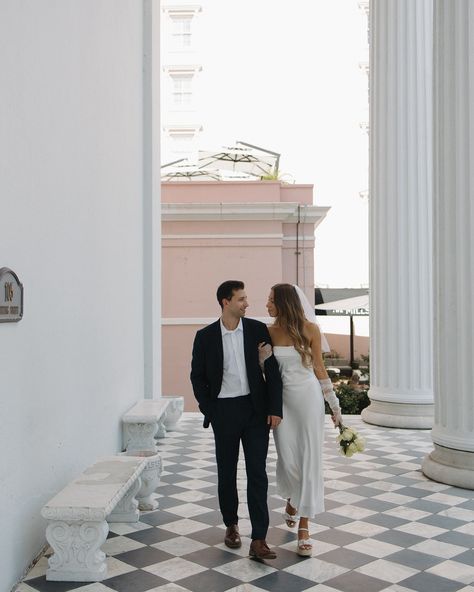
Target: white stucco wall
point(71, 181)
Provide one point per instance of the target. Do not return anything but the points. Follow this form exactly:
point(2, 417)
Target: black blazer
point(207, 369)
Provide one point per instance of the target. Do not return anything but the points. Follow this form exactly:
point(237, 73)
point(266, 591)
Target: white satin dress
point(299, 438)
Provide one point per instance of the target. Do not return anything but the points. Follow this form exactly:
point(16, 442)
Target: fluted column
point(452, 460)
point(400, 189)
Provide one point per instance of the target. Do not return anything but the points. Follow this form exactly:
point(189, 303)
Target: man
point(241, 405)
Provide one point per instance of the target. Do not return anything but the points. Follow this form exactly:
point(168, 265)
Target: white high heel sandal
point(290, 519)
point(304, 547)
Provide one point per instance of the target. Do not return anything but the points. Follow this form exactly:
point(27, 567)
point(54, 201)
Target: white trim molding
point(204, 320)
point(221, 236)
point(283, 212)
point(179, 129)
point(182, 69)
point(206, 236)
point(178, 10)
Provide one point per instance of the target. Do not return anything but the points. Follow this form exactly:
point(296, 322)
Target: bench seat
point(144, 421)
point(77, 517)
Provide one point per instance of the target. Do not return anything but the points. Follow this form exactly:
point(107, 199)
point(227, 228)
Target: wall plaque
point(11, 296)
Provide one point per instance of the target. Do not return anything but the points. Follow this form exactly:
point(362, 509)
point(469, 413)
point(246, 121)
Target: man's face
point(237, 305)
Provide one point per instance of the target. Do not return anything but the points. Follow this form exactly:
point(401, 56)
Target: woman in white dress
point(299, 437)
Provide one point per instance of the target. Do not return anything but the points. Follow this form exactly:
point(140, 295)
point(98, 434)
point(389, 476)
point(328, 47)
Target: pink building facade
point(260, 232)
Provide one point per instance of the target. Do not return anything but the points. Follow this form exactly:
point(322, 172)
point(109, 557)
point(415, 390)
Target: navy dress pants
point(235, 421)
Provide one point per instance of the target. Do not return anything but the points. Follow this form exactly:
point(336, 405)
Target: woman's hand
point(336, 418)
point(273, 421)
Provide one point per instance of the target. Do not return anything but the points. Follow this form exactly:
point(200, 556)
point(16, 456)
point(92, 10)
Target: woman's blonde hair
point(290, 317)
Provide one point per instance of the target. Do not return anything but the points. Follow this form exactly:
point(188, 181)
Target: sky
point(286, 76)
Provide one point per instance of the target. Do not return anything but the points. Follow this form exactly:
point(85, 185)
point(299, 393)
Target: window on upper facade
point(181, 25)
point(182, 90)
point(182, 143)
point(181, 32)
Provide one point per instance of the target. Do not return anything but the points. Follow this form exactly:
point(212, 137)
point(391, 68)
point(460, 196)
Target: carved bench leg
point(161, 429)
point(174, 411)
point(150, 480)
point(77, 555)
point(139, 436)
point(127, 508)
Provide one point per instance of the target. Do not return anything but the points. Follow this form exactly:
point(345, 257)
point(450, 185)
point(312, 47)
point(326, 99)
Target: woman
point(299, 438)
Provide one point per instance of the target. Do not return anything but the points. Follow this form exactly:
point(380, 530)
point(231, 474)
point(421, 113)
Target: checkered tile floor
point(386, 527)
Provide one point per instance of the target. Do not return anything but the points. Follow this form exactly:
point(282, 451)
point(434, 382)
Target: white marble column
point(452, 460)
point(151, 200)
point(400, 189)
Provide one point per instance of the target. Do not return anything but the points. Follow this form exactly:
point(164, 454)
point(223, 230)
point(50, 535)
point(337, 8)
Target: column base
point(453, 467)
point(399, 415)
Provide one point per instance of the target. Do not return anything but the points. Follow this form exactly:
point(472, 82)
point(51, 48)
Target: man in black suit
point(242, 402)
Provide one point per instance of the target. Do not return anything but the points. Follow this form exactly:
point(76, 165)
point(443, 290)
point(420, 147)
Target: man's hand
point(264, 352)
point(273, 421)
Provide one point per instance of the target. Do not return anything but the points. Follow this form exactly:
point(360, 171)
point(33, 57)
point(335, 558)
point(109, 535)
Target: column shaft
point(452, 460)
point(401, 390)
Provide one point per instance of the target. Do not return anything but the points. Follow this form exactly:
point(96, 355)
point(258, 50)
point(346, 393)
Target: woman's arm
point(315, 342)
point(322, 375)
point(273, 380)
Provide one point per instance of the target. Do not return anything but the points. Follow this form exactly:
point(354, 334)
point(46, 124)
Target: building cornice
point(181, 9)
point(287, 212)
point(226, 183)
point(182, 69)
point(204, 320)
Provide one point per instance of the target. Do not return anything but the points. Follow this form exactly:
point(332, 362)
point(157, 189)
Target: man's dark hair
point(226, 290)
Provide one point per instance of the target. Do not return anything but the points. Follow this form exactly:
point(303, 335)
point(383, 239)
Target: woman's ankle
point(303, 524)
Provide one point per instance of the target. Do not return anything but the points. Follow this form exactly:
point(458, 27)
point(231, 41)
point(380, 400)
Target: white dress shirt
point(234, 380)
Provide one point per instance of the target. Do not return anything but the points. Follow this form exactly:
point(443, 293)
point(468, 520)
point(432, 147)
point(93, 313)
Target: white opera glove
point(331, 399)
point(264, 352)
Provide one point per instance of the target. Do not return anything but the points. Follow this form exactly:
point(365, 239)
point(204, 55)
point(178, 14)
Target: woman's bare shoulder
point(311, 328)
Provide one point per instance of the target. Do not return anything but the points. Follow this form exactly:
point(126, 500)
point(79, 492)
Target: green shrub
point(366, 365)
point(352, 400)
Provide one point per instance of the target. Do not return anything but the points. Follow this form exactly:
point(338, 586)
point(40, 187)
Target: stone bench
point(174, 411)
point(77, 517)
point(144, 421)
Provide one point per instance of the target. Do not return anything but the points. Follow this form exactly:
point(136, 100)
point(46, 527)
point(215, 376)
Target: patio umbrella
point(188, 172)
point(347, 305)
point(238, 159)
point(354, 306)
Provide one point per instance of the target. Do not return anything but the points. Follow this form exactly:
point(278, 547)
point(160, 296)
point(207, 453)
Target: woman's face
point(272, 310)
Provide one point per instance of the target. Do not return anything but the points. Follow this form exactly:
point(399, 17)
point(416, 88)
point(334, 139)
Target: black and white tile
point(386, 527)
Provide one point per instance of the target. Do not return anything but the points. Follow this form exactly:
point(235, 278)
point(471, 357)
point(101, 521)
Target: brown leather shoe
point(260, 550)
point(232, 537)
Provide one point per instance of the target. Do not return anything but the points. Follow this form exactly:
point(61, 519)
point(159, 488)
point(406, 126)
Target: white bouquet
point(349, 441)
